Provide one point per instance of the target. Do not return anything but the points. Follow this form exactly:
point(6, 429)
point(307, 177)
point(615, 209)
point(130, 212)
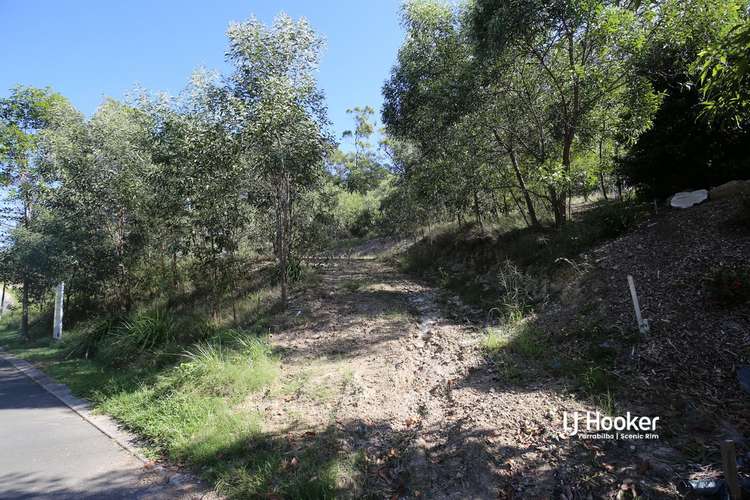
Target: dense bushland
point(158, 196)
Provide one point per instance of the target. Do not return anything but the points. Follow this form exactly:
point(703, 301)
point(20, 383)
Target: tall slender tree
point(282, 116)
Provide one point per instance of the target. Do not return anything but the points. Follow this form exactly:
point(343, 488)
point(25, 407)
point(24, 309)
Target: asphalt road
point(49, 451)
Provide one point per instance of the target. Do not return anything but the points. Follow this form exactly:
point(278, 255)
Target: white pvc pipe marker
point(57, 327)
point(642, 323)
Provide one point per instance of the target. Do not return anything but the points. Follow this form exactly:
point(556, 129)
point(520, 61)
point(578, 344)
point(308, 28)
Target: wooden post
point(57, 326)
point(729, 459)
point(642, 323)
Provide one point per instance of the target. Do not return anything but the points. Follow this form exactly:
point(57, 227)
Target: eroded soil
point(370, 358)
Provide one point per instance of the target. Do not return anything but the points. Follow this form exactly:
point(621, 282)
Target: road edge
point(107, 426)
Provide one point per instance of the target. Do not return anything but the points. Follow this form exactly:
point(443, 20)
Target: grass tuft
point(517, 337)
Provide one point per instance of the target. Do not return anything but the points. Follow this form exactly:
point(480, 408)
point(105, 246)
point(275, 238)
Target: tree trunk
point(558, 206)
point(524, 190)
point(601, 172)
point(518, 205)
point(495, 208)
point(174, 271)
point(478, 212)
point(566, 160)
point(570, 206)
point(282, 236)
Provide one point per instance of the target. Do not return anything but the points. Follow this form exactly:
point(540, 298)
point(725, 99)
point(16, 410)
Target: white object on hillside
point(642, 323)
point(57, 325)
point(688, 198)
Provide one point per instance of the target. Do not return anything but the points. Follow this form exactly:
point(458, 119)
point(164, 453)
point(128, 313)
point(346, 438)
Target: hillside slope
point(380, 374)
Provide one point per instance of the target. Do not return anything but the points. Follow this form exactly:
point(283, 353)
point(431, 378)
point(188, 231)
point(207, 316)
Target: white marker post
point(642, 323)
point(2, 302)
point(57, 326)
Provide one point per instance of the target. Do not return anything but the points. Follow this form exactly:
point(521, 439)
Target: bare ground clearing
point(371, 362)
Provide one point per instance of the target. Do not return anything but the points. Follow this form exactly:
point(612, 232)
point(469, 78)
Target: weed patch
point(520, 338)
point(511, 266)
point(728, 286)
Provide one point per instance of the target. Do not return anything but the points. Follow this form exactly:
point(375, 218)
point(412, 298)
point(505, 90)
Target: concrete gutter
point(107, 426)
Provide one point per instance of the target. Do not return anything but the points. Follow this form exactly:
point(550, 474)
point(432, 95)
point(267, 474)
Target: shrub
point(140, 337)
point(729, 285)
point(84, 340)
point(231, 365)
point(520, 292)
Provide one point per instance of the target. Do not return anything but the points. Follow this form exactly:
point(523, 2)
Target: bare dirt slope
point(370, 358)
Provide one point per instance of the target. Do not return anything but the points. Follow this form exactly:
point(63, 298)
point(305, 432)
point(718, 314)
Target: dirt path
point(371, 357)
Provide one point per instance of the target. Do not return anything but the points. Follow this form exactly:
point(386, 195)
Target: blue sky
point(89, 49)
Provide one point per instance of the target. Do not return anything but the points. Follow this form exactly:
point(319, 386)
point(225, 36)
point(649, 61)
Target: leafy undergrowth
point(180, 385)
point(469, 262)
point(586, 357)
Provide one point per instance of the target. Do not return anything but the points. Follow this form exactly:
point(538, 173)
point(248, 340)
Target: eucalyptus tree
point(461, 112)
point(426, 100)
point(583, 51)
point(101, 200)
point(725, 75)
point(25, 116)
point(362, 132)
point(281, 116)
point(207, 191)
point(361, 169)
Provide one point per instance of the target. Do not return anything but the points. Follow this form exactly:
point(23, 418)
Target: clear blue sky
point(89, 49)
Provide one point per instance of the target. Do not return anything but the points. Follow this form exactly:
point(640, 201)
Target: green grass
point(191, 411)
point(520, 352)
point(519, 337)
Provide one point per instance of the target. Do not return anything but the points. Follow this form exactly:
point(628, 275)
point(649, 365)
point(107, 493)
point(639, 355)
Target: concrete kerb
point(104, 424)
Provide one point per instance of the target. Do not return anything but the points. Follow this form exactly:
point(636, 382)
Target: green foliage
point(729, 286)
point(518, 337)
point(186, 412)
point(520, 293)
point(84, 340)
point(725, 75)
point(682, 150)
point(282, 116)
point(230, 365)
point(147, 333)
point(357, 214)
